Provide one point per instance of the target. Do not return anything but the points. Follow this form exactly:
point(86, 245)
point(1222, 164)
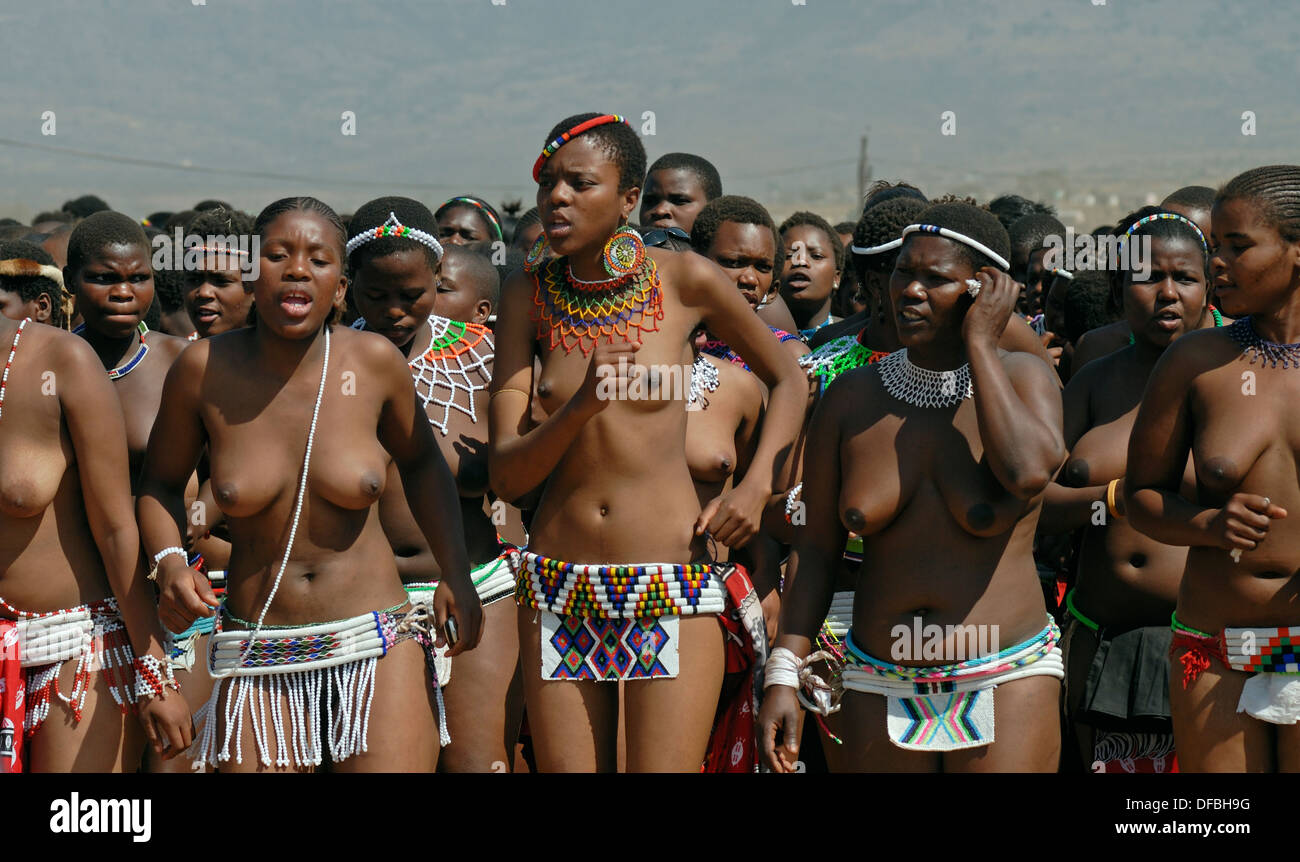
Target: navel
point(1137, 561)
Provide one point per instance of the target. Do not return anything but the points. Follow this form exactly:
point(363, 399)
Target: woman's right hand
point(1243, 522)
point(184, 595)
point(779, 717)
point(608, 372)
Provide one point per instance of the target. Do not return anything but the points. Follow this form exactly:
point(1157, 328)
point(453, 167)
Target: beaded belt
point(325, 673)
point(949, 707)
point(94, 635)
point(608, 623)
point(618, 592)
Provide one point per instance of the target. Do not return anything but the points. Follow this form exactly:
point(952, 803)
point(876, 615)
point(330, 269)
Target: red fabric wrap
point(13, 691)
point(733, 744)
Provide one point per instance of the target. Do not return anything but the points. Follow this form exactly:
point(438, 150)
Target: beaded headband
point(1171, 217)
point(961, 238)
point(549, 149)
point(397, 230)
point(876, 249)
point(487, 213)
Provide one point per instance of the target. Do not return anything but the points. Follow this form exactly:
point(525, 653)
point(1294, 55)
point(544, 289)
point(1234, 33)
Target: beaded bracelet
point(152, 675)
point(790, 502)
point(165, 552)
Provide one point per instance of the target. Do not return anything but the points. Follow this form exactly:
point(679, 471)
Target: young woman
point(814, 259)
point(738, 234)
point(465, 219)
point(72, 592)
point(109, 271)
point(1227, 397)
point(677, 187)
point(618, 488)
point(1116, 643)
point(937, 456)
point(397, 283)
point(31, 285)
point(300, 420)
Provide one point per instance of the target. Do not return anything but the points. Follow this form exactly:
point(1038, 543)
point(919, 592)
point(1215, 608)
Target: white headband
point(961, 238)
point(27, 268)
point(395, 229)
point(877, 249)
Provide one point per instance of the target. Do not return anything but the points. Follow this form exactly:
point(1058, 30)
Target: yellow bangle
point(1110, 499)
point(510, 389)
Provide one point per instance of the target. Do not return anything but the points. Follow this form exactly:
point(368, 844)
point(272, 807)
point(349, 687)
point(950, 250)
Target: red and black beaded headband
point(549, 149)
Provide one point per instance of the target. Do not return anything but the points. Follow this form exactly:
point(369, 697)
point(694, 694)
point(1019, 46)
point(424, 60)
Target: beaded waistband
point(617, 591)
point(277, 649)
point(1012, 657)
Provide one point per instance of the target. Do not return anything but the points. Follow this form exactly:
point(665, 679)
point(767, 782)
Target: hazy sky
point(456, 96)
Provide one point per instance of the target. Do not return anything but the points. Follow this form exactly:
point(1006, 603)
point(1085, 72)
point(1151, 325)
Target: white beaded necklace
point(922, 387)
point(704, 378)
point(297, 504)
point(13, 351)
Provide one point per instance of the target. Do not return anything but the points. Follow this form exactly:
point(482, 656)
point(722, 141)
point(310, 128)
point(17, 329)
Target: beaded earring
point(624, 252)
point(537, 254)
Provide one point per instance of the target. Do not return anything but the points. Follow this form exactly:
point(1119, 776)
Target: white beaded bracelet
point(790, 500)
point(158, 558)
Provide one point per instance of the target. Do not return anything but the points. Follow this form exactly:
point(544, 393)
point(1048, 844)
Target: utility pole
point(864, 168)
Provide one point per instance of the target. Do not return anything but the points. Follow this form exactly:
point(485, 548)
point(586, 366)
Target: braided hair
point(1275, 190)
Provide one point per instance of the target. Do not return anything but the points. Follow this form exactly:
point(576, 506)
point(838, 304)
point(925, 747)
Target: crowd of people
point(642, 480)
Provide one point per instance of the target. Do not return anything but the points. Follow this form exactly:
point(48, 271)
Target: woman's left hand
point(988, 315)
point(734, 517)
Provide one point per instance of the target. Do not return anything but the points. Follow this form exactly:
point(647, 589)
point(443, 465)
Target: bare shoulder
point(691, 276)
point(368, 348)
point(1028, 367)
point(169, 345)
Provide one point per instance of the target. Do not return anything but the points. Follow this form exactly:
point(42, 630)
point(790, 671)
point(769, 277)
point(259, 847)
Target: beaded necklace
point(1218, 321)
point(456, 360)
point(838, 356)
point(127, 367)
point(572, 313)
point(4, 380)
point(922, 387)
point(1244, 333)
point(704, 378)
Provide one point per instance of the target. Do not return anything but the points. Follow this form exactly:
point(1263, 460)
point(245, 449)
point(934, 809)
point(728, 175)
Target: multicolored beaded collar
point(456, 360)
point(565, 137)
point(130, 365)
point(838, 356)
point(572, 313)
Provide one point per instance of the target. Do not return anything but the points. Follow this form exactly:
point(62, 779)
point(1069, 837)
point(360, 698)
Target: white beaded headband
point(877, 249)
point(397, 230)
point(961, 238)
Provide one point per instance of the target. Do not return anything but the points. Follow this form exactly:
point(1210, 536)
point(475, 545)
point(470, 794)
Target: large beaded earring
point(624, 252)
point(537, 253)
